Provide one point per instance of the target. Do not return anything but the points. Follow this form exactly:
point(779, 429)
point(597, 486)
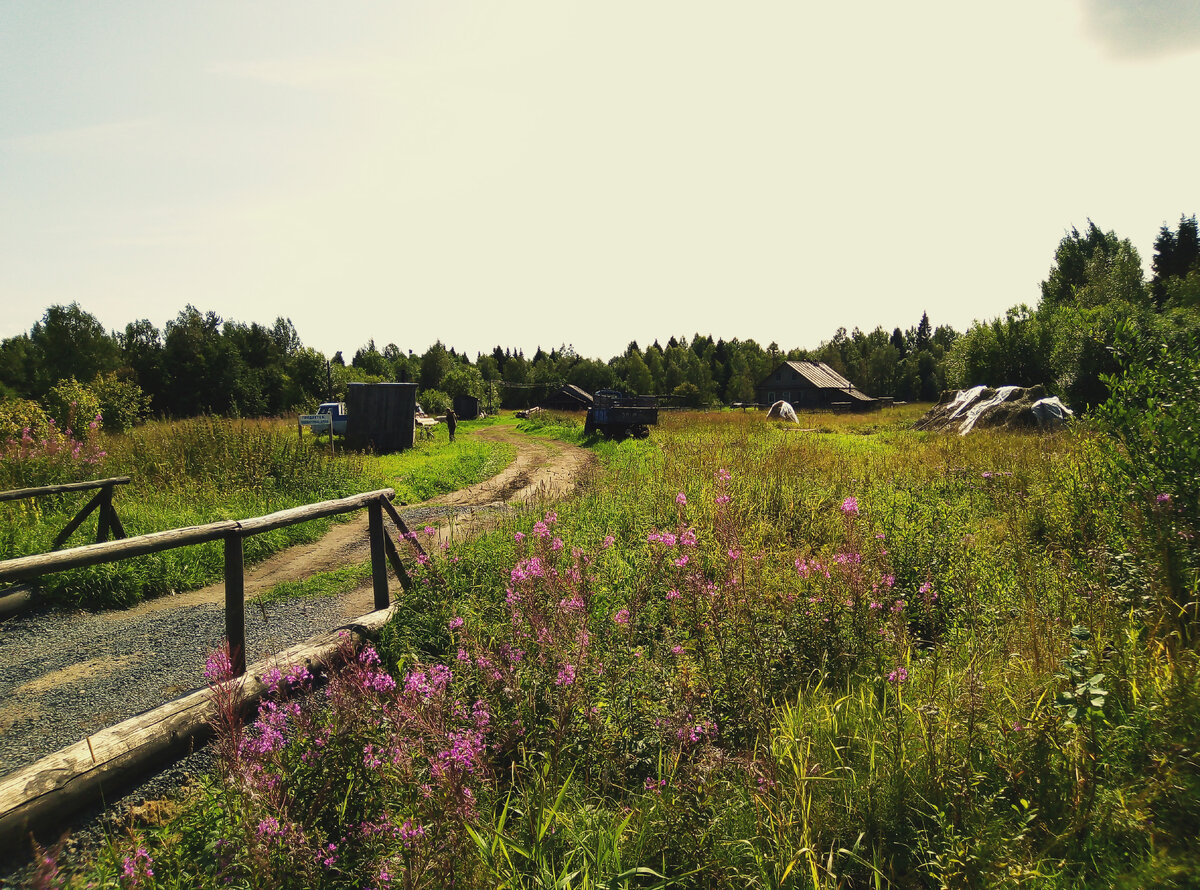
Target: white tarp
point(783, 411)
point(963, 399)
point(1051, 413)
point(978, 408)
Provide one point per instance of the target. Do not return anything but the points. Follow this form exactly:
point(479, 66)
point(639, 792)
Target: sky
point(589, 173)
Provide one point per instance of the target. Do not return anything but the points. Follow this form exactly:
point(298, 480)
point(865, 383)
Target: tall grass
point(750, 658)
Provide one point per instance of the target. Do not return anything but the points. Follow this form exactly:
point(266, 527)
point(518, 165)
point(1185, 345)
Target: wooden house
point(812, 385)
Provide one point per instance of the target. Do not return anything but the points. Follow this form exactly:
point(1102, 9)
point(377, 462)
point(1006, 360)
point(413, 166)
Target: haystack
point(782, 411)
point(1007, 407)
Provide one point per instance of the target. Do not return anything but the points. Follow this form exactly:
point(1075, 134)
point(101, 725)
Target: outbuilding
point(381, 416)
point(812, 385)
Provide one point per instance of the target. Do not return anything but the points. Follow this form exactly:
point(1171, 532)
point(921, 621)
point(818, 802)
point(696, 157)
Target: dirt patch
point(76, 672)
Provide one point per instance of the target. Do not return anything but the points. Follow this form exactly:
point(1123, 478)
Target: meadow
point(202, 470)
point(860, 656)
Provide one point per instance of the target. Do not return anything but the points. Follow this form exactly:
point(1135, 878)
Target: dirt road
point(63, 676)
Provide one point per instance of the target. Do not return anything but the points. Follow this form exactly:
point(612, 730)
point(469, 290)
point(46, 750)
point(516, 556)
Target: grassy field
point(206, 469)
point(858, 656)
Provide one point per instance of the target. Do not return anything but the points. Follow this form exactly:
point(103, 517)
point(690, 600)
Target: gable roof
point(816, 374)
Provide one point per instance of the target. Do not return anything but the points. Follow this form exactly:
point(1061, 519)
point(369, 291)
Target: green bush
point(72, 405)
point(123, 405)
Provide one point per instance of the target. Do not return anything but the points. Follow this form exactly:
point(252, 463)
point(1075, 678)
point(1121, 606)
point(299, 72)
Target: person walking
point(451, 422)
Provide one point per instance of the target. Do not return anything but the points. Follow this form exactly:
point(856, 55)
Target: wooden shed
point(381, 416)
point(466, 407)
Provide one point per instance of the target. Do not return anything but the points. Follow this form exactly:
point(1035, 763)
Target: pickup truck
point(336, 410)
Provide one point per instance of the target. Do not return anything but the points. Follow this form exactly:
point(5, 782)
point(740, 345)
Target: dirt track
point(64, 676)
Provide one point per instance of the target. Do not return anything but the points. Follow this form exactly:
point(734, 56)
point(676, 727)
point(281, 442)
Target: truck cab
point(338, 412)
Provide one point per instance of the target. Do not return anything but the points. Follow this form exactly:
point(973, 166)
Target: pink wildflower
point(681, 499)
point(850, 506)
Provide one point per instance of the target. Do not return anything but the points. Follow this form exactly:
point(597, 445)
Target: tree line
point(200, 363)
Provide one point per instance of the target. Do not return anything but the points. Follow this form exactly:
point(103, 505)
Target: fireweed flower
point(609, 540)
point(429, 530)
point(137, 866)
point(621, 617)
point(1162, 499)
point(681, 499)
point(898, 676)
point(566, 675)
point(733, 555)
point(850, 506)
point(672, 594)
point(519, 537)
point(456, 622)
point(218, 668)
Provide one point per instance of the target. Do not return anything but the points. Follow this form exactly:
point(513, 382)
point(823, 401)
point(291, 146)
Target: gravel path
point(65, 675)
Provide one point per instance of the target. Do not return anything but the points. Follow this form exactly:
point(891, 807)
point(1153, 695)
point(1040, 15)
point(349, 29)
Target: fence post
point(235, 602)
point(379, 579)
point(104, 525)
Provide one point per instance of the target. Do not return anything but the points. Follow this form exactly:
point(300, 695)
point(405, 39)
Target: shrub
point(434, 401)
point(71, 403)
point(123, 405)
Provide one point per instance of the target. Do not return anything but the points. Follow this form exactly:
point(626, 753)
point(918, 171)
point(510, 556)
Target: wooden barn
point(812, 385)
point(569, 398)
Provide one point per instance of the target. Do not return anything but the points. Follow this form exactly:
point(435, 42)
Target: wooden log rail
point(110, 523)
point(233, 532)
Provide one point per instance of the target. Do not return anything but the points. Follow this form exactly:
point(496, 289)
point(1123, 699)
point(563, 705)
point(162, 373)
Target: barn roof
point(820, 375)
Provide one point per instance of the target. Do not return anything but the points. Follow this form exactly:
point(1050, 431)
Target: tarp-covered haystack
point(1009, 407)
point(782, 411)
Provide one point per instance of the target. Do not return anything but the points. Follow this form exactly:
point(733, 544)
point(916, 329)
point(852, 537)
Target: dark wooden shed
point(466, 407)
point(380, 416)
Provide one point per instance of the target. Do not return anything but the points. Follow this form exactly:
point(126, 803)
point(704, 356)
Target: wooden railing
point(233, 532)
point(110, 523)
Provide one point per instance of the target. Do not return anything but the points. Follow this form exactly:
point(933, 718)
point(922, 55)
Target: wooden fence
point(110, 523)
point(233, 532)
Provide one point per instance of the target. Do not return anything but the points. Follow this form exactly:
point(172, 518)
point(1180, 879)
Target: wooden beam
point(26, 567)
point(235, 601)
point(17, 494)
point(394, 558)
point(400, 524)
point(83, 514)
point(379, 579)
point(312, 511)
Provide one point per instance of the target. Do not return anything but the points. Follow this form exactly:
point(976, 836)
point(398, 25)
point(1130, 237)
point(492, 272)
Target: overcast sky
point(539, 173)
